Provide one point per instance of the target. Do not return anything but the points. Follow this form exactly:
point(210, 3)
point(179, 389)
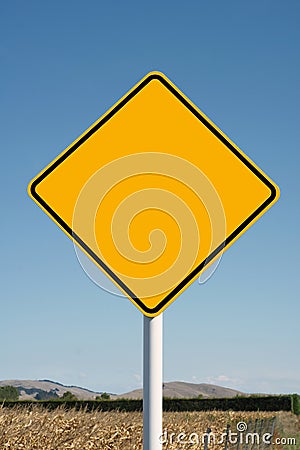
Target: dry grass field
point(39, 429)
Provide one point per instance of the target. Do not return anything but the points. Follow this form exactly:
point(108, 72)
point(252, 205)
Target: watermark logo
point(232, 438)
point(241, 426)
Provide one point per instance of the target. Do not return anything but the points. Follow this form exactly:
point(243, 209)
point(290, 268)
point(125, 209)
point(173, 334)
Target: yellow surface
point(153, 192)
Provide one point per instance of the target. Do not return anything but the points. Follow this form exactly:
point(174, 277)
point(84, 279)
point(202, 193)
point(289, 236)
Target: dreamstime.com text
point(239, 436)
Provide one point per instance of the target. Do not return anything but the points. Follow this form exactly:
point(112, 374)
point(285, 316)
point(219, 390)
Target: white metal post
point(152, 383)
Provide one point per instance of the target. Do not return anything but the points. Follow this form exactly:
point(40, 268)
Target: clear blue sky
point(63, 64)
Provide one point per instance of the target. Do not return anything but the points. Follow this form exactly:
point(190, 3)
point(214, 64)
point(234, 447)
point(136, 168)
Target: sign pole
point(152, 383)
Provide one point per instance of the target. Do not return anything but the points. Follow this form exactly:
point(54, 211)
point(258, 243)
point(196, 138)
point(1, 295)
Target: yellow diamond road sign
point(153, 193)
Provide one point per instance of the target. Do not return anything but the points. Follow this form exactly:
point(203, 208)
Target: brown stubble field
point(40, 429)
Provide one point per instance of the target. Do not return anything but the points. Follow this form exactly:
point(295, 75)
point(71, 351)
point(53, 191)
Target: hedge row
point(255, 403)
point(296, 404)
point(251, 403)
point(88, 405)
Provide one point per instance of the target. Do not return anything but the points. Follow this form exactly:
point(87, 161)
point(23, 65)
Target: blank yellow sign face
point(153, 192)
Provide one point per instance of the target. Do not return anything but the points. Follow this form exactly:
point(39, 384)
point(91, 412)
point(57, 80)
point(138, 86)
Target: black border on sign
point(96, 127)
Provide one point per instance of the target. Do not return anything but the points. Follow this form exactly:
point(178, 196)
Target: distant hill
point(44, 389)
point(181, 389)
